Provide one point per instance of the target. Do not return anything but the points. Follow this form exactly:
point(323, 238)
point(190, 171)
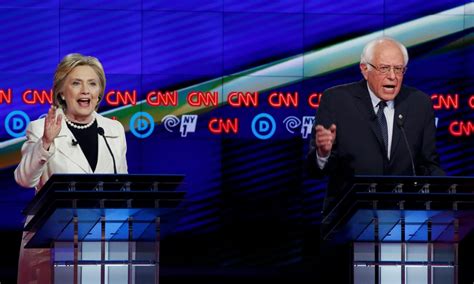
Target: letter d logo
point(263, 126)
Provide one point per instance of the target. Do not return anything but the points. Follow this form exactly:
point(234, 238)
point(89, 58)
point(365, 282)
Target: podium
point(403, 229)
point(104, 228)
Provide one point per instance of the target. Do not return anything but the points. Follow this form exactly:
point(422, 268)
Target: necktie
point(383, 124)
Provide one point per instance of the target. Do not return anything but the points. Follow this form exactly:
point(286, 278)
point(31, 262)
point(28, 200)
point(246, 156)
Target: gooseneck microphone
point(400, 125)
point(101, 132)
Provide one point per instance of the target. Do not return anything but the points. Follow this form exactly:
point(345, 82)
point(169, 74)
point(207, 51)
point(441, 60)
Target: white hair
point(368, 52)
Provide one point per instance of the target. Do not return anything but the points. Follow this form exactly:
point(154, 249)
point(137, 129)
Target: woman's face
point(81, 92)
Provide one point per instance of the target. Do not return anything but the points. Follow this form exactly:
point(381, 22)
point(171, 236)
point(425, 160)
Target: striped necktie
point(383, 124)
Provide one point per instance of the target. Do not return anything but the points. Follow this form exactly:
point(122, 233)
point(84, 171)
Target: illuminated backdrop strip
point(286, 71)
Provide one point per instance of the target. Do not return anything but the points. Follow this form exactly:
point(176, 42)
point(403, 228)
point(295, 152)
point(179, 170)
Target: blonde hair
point(67, 64)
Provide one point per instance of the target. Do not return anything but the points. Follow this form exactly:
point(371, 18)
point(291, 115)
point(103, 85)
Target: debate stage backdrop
point(225, 92)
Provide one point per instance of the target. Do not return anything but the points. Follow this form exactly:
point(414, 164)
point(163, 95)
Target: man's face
point(387, 55)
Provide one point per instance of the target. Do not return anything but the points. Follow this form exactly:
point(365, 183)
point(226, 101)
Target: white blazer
point(37, 164)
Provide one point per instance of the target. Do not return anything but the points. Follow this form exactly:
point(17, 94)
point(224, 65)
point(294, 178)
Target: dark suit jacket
point(359, 149)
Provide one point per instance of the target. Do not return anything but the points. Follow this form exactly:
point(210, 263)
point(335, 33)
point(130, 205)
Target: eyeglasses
point(384, 69)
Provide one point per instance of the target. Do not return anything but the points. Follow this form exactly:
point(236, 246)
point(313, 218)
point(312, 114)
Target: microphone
point(400, 125)
point(74, 142)
point(101, 132)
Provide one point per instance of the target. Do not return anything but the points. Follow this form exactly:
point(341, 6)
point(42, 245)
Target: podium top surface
point(369, 197)
point(91, 199)
point(399, 185)
point(409, 180)
point(105, 186)
point(395, 188)
point(56, 179)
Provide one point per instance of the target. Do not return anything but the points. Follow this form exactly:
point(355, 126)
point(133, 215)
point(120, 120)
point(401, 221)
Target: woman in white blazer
point(67, 140)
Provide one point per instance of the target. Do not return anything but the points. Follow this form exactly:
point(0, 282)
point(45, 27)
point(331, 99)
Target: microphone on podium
point(101, 132)
point(400, 122)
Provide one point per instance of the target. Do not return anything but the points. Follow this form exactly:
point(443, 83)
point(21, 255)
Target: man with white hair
point(358, 125)
point(358, 131)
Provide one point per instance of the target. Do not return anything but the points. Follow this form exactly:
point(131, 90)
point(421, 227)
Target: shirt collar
point(375, 100)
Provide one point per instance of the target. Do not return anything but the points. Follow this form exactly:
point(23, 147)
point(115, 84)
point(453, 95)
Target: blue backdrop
point(245, 187)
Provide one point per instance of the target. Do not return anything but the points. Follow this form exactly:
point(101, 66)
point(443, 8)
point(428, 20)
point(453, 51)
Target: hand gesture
point(325, 139)
point(52, 127)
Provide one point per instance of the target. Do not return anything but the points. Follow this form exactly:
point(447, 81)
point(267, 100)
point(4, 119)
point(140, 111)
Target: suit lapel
point(364, 105)
point(63, 144)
